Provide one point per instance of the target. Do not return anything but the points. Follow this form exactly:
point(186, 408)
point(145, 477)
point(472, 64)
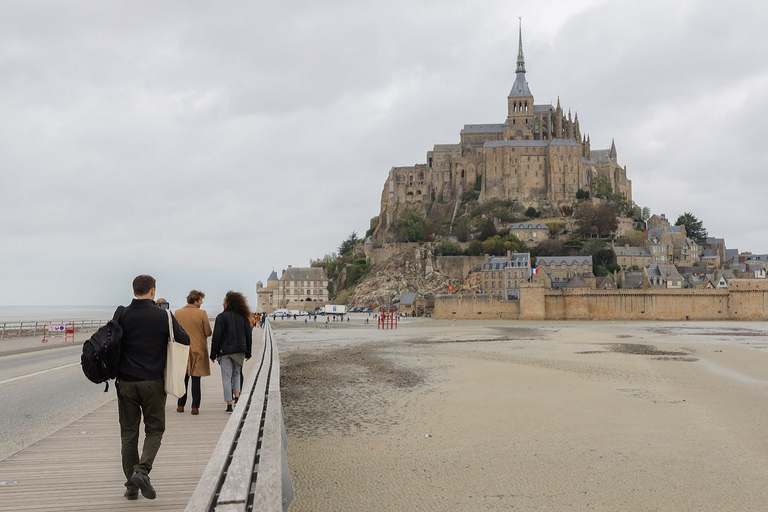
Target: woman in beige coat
point(195, 321)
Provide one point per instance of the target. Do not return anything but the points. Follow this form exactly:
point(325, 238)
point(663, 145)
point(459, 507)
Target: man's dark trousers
point(133, 398)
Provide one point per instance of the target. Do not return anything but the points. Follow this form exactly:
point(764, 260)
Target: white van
point(280, 313)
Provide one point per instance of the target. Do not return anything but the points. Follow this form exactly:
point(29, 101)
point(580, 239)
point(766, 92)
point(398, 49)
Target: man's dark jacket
point(145, 338)
point(232, 334)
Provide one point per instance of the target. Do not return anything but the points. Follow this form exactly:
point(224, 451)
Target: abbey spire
point(520, 88)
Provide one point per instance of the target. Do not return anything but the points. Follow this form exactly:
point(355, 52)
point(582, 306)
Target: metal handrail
point(31, 329)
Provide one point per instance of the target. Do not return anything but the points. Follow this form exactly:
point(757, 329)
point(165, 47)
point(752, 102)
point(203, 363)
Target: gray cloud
point(210, 143)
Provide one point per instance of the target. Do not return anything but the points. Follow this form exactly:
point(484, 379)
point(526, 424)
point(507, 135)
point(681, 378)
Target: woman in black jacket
point(231, 343)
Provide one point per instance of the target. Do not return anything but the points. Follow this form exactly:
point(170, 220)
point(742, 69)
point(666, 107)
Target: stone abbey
point(537, 156)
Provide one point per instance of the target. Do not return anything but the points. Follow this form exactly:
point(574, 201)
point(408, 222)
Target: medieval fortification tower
point(537, 156)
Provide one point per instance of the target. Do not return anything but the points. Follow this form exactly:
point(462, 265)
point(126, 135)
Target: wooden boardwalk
point(78, 468)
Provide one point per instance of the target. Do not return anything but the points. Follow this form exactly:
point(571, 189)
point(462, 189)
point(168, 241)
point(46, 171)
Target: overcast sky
point(208, 143)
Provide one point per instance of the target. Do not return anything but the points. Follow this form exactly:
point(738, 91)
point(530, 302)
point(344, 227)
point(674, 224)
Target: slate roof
point(483, 128)
point(273, 277)
point(520, 88)
point(305, 273)
point(542, 261)
point(495, 264)
point(408, 298)
point(530, 143)
point(633, 280)
point(576, 282)
point(632, 251)
point(524, 225)
point(666, 272)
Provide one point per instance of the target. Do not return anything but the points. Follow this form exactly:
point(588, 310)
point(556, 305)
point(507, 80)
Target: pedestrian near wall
point(231, 344)
point(195, 321)
point(140, 386)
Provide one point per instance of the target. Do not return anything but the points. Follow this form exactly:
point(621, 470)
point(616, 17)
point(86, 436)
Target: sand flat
point(495, 415)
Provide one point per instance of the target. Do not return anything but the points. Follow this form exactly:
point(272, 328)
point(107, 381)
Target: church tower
point(520, 116)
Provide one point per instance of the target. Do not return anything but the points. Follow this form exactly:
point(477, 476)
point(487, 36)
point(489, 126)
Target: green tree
point(551, 247)
point(605, 220)
point(448, 248)
point(374, 224)
point(410, 226)
point(494, 246)
point(694, 228)
point(585, 216)
point(461, 228)
point(348, 244)
point(475, 248)
point(488, 230)
point(531, 213)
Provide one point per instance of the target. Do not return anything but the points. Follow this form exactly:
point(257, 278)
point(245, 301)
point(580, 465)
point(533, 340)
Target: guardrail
point(31, 329)
point(249, 469)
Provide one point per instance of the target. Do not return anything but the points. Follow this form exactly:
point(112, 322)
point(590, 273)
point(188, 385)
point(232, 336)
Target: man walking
point(195, 321)
point(140, 386)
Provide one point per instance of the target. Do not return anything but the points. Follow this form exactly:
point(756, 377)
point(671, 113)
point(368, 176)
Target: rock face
point(413, 270)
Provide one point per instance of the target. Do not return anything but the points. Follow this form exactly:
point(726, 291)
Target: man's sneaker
point(229, 409)
point(131, 494)
point(141, 481)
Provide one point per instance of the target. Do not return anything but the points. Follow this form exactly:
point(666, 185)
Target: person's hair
point(194, 296)
point(237, 303)
point(142, 284)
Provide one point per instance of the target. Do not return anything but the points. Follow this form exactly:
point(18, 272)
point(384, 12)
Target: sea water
point(52, 314)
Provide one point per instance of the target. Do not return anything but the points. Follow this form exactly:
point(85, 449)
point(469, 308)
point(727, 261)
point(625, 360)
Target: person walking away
point(195, 321)
point(231, 344)
point(140, 386)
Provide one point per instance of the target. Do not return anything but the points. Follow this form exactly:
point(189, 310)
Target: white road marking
point(37, 373)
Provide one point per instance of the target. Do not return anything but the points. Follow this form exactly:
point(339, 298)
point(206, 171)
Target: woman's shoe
point(229, 409)
point(195, 411)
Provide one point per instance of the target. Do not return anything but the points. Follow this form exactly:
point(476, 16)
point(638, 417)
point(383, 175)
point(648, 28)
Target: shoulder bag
point(175, 364)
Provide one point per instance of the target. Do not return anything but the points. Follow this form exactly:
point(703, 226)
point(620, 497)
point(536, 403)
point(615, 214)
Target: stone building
point(530, 233)
point(502, 276)
point(562, 268)
point(297, 288)
point(537, 156)
point(628, 257)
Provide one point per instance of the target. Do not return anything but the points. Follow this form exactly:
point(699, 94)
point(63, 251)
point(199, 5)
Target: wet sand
point(502, 415)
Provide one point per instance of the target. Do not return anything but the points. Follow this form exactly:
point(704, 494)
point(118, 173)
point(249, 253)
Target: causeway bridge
point(209, 462)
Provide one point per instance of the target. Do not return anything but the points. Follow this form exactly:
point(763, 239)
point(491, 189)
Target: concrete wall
point(745, 300)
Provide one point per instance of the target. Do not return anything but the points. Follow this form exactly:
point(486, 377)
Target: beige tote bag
point(175, 364)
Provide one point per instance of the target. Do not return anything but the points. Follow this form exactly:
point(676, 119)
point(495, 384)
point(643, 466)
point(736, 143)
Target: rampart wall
point(742, 301)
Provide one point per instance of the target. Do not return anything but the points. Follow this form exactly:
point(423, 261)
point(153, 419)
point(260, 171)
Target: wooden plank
point(237, 485)
point(204, 493)
point(268, 493)
point(75, 471)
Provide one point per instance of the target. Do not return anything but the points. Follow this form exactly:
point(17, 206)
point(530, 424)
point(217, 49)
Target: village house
point(664, 276)
point(529, 233)
point(628, 257)
point(659, 244)
point(562, 268)
point(502, 276)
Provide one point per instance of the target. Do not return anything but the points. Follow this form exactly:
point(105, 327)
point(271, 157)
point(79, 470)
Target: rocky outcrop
point(411, 270)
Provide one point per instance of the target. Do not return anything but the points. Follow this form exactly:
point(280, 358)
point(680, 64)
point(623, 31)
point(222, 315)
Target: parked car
point(280, 313)
point(367, 310)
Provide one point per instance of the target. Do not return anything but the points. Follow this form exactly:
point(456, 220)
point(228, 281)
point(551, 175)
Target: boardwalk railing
point(27, 329)
point(249, 469)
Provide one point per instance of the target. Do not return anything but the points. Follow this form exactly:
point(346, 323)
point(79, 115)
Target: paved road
point(42, 389)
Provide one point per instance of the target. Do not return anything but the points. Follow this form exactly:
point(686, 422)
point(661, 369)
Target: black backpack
point(101, 352)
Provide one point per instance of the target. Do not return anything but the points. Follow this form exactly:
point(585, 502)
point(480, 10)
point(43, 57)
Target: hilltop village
point(523, 219)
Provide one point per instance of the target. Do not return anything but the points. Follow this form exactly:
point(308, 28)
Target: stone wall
point(458, 267)
point(745, 300)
